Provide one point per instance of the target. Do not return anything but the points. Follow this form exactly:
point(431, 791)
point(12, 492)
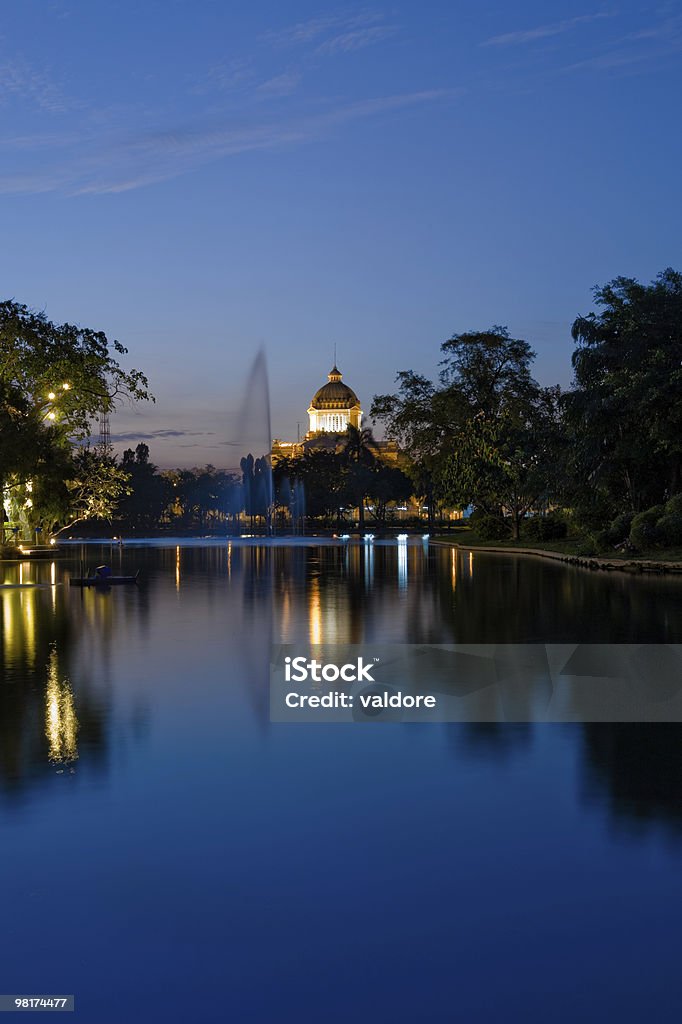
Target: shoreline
point(594, 562)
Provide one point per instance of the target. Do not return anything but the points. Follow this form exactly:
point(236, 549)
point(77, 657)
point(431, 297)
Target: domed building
point(334, 407)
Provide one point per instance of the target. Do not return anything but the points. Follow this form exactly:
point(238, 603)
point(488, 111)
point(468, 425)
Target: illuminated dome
point(334, 394)
point(334, 406)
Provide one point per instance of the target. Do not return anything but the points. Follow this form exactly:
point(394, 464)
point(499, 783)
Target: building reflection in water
point(402, 564)
point(61, 723)
point(369, 565)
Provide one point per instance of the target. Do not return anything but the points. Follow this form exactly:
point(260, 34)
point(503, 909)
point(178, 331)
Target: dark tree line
point(190, 499)
point(606, 454)
point(333, 484)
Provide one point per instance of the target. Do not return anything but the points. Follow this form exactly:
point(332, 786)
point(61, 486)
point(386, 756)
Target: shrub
point(644, 532)
point(491, 528)
point(619, 530)
point(669, 528)
point(604, 539)
point(674, 505)
point(549, 527)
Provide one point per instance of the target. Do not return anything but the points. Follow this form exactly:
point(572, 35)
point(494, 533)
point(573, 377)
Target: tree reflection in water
point(635, 770)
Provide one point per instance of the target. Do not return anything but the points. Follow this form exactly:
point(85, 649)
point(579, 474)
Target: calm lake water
point(169, 855)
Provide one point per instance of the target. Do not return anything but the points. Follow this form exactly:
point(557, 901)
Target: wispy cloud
point(280, 85)
point(336, 33)
point(670, 28)
point(19, 79)
point(302, 32)
point(638, 49)
point(357, 39)
point(232, 76)
point(114, 164)
point(556, 28)
point(155, 435)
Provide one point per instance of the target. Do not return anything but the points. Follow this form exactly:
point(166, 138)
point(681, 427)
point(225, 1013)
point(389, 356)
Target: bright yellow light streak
point(315, 612)
point(61, 723)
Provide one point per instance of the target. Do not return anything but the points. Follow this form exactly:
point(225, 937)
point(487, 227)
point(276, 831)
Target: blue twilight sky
point(200, 178)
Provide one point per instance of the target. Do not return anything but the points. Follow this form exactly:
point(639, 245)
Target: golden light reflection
point(27, 603)
point(61, 724)
point(471, 563)
point(286, 615)
point(8, 627)
point(229, 559)
point(177, 567)
point(315, 612)
point(453, 555)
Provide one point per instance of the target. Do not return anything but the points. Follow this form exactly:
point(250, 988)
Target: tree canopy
point(55, 380)
point(77, 366)
point(624, 411)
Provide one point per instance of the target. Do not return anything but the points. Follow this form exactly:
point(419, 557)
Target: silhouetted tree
point(624, 411)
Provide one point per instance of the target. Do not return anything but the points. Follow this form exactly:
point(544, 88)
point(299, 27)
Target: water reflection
point(54, 670)
point(61, 723)
point(489, 740)
point(634, 772)
point(80, 667)
point(315, 612)
point(402, 565)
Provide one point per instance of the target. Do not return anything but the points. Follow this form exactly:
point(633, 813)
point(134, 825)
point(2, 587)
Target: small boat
point(99, 580)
